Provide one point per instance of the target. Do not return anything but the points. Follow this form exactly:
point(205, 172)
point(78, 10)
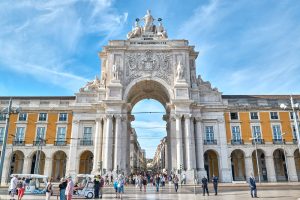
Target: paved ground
point(230, 192)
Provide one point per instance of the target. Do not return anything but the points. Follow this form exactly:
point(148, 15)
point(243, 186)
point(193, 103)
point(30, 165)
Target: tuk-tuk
point(37, 183)
point(85, 186)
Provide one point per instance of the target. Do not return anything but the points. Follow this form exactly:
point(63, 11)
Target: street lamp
point(257, 165)
point(6, 111)
point(294, 106)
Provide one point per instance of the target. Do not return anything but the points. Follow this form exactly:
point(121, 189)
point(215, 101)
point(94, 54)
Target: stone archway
point(59, 165)
point(297, 162)
point(261, 164)
point(37, 157)
point(17, 162)
point(238, 165)
point(211, 163)
point(280, 165)
point(86, 162)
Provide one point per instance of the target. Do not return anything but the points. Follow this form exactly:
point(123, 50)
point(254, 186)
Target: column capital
point(178, 116)
point(118, 116)
point(220, 120)
point(108, 116)
point(198, 119)
point(75, 121)
point(187, 116)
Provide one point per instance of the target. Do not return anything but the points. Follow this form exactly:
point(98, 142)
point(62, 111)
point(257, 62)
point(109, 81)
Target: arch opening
point(297, 162)
point(37, 162)
point(259, 164)
point(280, 165)
point(86, 162)
point(59, 165)
point(238, 165)
point(211, 163)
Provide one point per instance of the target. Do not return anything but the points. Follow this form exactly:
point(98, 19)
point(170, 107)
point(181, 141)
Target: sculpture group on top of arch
point(149, 28)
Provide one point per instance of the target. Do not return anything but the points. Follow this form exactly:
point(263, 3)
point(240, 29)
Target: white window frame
point(91, 133)
point(211, 133)
point(36, 132)
point(231, 128)
point(292, 116)
point(67, 115)
point(17, 139)
point(252, 131)
point(3, 132)
point(42, 120)
point(57, 138)
point(280, 136)
point(278, 118)
point(258, 118)
point(22, 120)
point(238, 116)
point(3, 117)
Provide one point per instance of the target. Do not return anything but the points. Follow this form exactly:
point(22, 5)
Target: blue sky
point(246, 47)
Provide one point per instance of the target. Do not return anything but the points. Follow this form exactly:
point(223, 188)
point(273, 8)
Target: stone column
point(27, 165)
point(72, 161)
point(125, 146)
point(118, 144)
point(179, 148)
point(107, 157)
point(189, 144)
point(292, 172)
point(97, 145)
point(173, 141)
point(248, 166)
point(6, 168)
point(199, 148)
point(48, 167)
point(226, 175)
point(270, 168)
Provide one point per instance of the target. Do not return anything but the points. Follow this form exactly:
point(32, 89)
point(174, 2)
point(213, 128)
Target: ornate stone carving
point(148, 64)
point(180, 71)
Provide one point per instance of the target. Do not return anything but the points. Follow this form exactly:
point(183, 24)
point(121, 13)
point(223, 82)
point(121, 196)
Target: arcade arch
point(59, 165)
point(261, 164)
point(238, 165)
point(211, 163)
point(86, 162)
point(37, 162)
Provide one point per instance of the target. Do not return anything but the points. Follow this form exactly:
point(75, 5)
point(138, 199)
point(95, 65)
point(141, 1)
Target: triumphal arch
point(150, 65)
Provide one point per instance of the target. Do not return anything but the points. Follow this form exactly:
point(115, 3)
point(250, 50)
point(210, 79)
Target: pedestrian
point(183, 179)
point(96, 187)
point(157, 182)
point(140, 182)
point(215, 181)
point(145, 183)
point(252, 184)
point(121, 182)
point(204, 185)
point(69, 188)
point(101, 186)
point(13, 186)
point(175, 181)
point(116, 187)
point(163, 180)
point(21, 188)
point(62, 189)
point(49, 190)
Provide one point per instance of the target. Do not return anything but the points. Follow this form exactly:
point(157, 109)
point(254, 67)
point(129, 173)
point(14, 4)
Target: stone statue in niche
point(180, 71)
point(149, 27)
point(115, 72)
point(103, 78)
point(160, 30)
point(136, 30)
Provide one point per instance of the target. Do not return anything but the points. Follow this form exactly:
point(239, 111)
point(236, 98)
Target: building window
point(2, 116)
point(22, 116)
point(20, 134)
point(274, 115)
point(1, 134)
point(40, 133)
point(61, 134)
point(236, 134)
point(292, 116)
point(276, 132)
point(234, 116)
point(42, 116)
point(209, 133)
point(253, 115)
point(87, 133)
point(63, 117)
point(256, 134)
point(294, 132)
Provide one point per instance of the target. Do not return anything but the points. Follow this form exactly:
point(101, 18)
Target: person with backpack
point(62, 189)
point(96, 187)
point(49, 189)
point(101, 186)
point(252, 185)
point(157, 182)
point(175, 181)
point(13, 186)
point(204, 185)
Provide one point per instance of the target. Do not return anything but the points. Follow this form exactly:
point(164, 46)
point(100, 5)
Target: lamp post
point(294, 106)
point(257, 164)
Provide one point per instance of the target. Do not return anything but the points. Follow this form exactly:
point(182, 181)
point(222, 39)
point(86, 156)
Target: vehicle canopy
point(37, 182)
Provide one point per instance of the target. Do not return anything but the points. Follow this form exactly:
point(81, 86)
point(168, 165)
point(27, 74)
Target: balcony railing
point(237, 141)
point(278, 141)
point(39, 143)
point(210, 142)
point(295, 141)
point(60, 143)
point(258, 141)
point(86, 142)
point(19, 142)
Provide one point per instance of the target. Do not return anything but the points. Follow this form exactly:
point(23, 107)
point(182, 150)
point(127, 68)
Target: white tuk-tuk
point(85, 186)
point(37, 183)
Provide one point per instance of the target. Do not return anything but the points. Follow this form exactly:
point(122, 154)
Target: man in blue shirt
point(252, 185)
point(215, 181)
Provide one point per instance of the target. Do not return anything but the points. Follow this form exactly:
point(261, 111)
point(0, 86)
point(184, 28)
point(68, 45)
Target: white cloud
point(42, 39)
